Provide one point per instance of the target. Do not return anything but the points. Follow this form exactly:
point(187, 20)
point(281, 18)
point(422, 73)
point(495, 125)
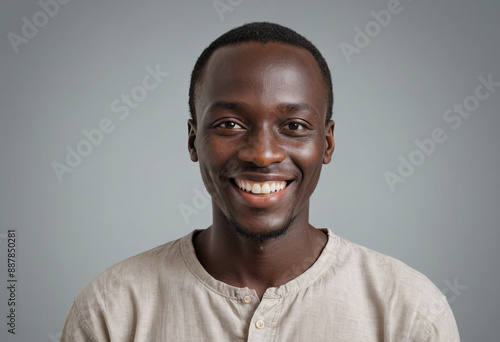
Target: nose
point(262, 148)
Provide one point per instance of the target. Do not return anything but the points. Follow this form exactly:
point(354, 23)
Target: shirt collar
point(304, 280)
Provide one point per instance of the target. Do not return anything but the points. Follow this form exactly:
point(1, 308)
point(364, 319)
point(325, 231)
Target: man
point(260, 129)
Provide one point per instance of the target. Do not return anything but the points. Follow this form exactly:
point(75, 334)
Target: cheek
point(208, 170)
point(212, 158)
point(311, 153)
point(309, 158)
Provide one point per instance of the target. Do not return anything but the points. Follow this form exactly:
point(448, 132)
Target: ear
point(191, 140)
point(330, 142)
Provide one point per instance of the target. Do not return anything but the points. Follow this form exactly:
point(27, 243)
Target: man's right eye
point(229, 125)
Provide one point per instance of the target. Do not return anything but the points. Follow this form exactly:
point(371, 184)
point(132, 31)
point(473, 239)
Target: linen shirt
point(349, 294)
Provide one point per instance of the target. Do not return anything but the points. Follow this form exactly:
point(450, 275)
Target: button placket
point(263, 323)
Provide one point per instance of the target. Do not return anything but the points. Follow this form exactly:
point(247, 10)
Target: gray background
point(125, 195)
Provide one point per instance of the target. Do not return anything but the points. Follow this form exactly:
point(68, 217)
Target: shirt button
point(260, 324)
point(247, 299)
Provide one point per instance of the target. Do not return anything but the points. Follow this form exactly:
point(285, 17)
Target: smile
point(260, 187)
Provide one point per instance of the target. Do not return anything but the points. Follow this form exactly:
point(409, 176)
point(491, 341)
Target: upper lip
point(261, 177)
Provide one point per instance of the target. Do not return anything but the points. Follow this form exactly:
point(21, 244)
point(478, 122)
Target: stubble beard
point(261, 237)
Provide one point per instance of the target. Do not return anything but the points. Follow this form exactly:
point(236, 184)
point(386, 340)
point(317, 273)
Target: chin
point(261, 234)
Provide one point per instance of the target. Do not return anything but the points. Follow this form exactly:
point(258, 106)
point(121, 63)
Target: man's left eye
point(295, 126)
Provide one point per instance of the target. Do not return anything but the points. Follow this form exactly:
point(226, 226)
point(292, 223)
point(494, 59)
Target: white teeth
point(273, 187)
point(256, 188)
point(265, 189)
point(260, 187)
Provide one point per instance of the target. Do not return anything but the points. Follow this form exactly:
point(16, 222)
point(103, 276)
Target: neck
point(258, 264)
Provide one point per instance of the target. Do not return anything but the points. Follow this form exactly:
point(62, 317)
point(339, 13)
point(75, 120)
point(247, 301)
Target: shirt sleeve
point(75, 328)
point(86, 320)
point(441, 325)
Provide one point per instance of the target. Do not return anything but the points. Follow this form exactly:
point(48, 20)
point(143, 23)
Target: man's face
point(260, 135)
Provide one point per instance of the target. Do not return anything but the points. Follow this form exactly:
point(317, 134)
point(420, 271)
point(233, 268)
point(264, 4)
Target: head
point(261, 102)
point(262, 32)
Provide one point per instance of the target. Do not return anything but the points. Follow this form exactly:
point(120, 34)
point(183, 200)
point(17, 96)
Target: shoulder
point(114, 299)
point(382, 271)
point(134, 270)
point(139, 272)
point(407, 297)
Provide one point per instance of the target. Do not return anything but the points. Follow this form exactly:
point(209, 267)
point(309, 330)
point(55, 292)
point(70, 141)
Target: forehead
point(253, 53)
point(264, 74)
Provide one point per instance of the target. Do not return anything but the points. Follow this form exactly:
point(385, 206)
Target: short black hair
point(263, 32)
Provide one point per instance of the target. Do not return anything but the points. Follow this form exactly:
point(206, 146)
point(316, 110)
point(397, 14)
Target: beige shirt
point(349, 294)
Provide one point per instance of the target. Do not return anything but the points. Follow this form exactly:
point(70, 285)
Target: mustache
point(236, 168)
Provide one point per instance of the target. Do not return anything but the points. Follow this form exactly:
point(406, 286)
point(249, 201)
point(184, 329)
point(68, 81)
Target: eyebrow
point(282, 107)
point(296, 107)
point(225, 105)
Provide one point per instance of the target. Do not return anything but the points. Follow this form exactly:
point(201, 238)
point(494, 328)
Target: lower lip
point(260, 200)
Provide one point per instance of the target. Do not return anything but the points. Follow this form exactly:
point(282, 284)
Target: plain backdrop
point(401, 78)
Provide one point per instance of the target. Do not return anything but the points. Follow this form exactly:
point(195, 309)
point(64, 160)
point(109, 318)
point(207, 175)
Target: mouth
point(260, 188)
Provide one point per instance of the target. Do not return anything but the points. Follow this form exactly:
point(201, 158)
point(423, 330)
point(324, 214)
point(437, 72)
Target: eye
point(295, 126)
point(229, 125)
